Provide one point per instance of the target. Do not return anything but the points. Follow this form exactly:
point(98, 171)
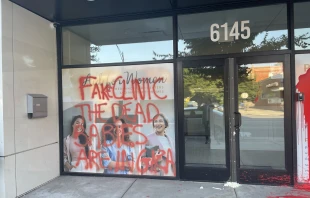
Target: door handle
point(238, 119)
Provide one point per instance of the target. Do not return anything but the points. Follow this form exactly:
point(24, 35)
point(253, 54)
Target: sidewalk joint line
point(129, 188)
point(235, 193)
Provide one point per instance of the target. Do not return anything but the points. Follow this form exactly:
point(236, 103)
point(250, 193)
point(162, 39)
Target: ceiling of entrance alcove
point(65, 10)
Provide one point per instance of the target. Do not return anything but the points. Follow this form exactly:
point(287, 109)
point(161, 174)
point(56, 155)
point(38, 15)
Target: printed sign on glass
point(119, 120)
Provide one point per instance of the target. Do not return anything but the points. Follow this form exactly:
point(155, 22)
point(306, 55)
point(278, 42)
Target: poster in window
point(119, 120)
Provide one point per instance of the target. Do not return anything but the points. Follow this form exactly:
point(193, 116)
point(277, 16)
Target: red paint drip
point(294, 193)
point(303, 86)
point(290, 196)
point(284, 180)
point(299, 191)
point(305, 187)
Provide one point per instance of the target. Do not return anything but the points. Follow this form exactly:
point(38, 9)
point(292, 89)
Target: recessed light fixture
point(91, 0)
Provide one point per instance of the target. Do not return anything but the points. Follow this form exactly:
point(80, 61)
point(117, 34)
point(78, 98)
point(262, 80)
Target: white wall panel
point(35, 167)
point(7, 35)
point(32, 29)
point(7, 177)
point(8, 136)
point(31, 134)
point(29, 65)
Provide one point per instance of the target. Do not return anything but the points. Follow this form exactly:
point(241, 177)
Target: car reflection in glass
point(206, 120)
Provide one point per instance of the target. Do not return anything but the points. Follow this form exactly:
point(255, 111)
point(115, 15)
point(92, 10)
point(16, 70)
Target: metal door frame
point(267, 176)
point(237, 174)
point(194, 171)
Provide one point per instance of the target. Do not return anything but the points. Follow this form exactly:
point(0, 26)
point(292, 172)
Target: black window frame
point(174, 12)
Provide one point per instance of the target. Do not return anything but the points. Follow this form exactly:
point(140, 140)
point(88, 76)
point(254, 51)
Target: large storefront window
point(234, 31)
point(128, 41)
point(262, 131)
point(119, 120)
point(302, 25)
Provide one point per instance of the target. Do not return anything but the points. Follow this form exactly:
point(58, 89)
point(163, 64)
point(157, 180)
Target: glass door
point(203, 143)
point(264, 103)
point(235, 120)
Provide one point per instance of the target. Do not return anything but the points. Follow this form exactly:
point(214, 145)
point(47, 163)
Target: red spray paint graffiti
point(135, 90)
point(108, 92)
point(303, 87)
point(301, 190)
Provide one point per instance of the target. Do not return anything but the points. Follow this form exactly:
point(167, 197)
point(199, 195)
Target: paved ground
point(111, 187)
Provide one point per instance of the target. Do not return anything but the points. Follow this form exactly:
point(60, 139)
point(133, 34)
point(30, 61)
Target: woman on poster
point(74, 145)
point(163, 147)
point(117, 150)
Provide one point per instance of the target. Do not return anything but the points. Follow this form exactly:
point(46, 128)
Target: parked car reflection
point(207, 120)
point(257, 125)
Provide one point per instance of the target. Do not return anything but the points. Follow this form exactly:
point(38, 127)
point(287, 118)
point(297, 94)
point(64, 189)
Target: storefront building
point(173, 89)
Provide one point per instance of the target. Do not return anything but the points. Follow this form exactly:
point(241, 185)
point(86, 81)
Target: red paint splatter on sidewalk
point(305, 187)
point(285, 180)
point(299, 191)
point(290, 196)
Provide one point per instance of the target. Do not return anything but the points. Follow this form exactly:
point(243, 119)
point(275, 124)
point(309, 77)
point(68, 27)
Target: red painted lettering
point(93, 133)
point(139, 110)
point(82, 157)
point(141, 134)
point(148, 111)
point(113, 88)
point(96, 91)
point(83, 84)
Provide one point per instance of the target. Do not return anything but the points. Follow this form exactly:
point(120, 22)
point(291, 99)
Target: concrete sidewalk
point(111, 187)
